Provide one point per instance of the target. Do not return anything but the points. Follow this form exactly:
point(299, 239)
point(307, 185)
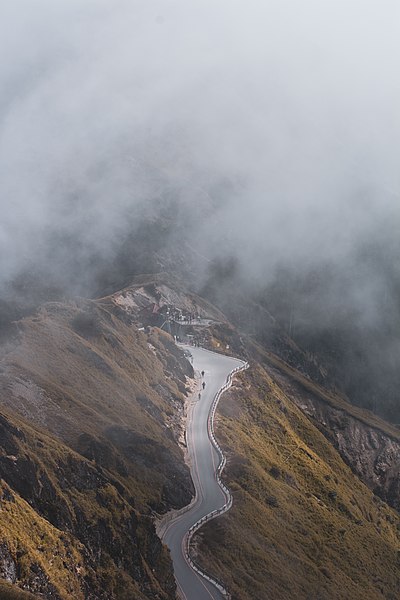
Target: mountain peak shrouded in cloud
point(224, 172)
point(263, 136)
point(109, 108)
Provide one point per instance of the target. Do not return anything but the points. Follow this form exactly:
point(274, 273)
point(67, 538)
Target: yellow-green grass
point(94, 384)
point(110, 393)
point(302, 524)
point(36, 541)
point(327, 396)
point(11, 592)
point(32, 540)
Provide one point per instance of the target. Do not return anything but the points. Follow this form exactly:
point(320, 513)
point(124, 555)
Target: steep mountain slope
point(303, 523)
point(325, 320)
point(88, 453)
point(92, 403)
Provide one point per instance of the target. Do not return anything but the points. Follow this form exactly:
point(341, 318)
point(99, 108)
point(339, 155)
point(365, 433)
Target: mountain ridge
point(95, 485)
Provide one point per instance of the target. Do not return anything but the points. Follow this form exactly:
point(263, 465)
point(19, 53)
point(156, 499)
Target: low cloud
point(271, 129)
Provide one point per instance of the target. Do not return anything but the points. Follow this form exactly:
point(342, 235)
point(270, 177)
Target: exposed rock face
point(91, 408)
point(374, 456)
point(75, 496)
point(8, 568)
point(90, 412)
point(303, 524)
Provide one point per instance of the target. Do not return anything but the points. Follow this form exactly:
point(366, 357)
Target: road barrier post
point(228, 496)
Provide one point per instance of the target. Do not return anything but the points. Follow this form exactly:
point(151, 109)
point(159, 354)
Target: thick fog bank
point(136, 136)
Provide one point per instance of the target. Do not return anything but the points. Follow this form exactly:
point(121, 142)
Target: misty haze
point(200, 300)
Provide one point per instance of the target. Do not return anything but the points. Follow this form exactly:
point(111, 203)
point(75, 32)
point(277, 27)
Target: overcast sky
point(283, 116)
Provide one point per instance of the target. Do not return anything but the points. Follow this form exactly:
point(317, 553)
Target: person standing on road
point(203, 384)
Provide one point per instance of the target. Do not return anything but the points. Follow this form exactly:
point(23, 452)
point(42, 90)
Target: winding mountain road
point(204, 460)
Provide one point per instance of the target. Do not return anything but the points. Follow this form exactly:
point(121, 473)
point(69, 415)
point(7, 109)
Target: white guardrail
point(229, 499)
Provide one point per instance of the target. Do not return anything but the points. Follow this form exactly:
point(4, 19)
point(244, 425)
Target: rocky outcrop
point(80, 498)
point(8, 567)
point(373, 455)
point(90, 411)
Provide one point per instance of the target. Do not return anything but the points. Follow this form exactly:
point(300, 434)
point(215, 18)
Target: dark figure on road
point(199, 395)
point(203, 384)
point(202, 373)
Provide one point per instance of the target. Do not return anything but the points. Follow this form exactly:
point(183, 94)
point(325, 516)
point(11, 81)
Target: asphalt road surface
point(204, 461)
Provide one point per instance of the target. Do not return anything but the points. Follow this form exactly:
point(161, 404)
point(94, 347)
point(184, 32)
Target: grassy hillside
point(331, 398)
point(91, 409)
point(302, 525)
